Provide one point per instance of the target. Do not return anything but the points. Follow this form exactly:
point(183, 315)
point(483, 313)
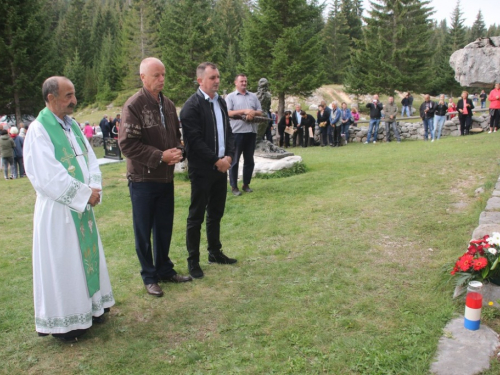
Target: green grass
point(339, 270)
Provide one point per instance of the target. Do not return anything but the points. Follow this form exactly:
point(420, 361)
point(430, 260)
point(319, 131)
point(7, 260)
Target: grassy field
point(339, 270)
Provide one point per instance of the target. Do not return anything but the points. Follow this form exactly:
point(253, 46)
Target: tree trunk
point(17, 105)
point(281, 104)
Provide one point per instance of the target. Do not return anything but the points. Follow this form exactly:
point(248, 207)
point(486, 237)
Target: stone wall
point(415, 130)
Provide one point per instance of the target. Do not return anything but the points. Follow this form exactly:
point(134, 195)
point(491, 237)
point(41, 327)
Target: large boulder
point(478, 63)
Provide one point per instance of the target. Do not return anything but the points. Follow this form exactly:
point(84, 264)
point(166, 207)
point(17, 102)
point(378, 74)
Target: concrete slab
point(489, 218)
point(485, 229)
point(464, 352)
point(103, 161)
point(493, 204)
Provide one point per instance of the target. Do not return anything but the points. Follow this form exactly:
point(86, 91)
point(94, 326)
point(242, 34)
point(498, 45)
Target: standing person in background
point(297, 126)
point(242, 102)
point(427, 109)
point(285, 122)
point(452, 107)
point(391, 111)
point(88, 131)
point(334, 130)
point(151, 141)
point(410, 103)
point(355, 116)
point(440, 116)
point(18, 152)
point(405, 106)
point(323, 119)
point(210, 148)
point(309, 124)
point(7, 147)
point(345, 122)
point(465, 107)
point(375, 114)
point(104, 125)
point(483, 97)
point(494, 99)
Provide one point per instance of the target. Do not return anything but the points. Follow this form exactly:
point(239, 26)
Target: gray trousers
point(394, 128)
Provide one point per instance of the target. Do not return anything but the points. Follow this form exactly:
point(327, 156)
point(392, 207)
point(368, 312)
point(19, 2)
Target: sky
point(489, 8)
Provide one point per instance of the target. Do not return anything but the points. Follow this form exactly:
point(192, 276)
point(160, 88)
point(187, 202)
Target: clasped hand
point(172, 156)
point(223, 164)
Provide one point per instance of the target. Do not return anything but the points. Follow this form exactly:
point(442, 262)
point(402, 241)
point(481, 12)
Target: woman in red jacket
point(494, 99)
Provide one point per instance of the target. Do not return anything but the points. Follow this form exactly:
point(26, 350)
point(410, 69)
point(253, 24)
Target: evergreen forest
point(298, 45)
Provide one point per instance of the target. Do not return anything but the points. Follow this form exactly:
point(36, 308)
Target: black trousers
point(465, 123)
point(308, 141)
point(244, 143)
point(208, 194)
point(300, 134)
point(494, 118)
point(153, 210)
point(336, 135)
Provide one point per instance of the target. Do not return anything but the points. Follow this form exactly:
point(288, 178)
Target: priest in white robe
point(71, 284)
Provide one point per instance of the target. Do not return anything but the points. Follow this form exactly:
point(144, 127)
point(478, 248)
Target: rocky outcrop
point(478, 63)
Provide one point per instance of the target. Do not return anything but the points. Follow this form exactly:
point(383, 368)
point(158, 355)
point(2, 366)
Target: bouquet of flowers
point(480, 262)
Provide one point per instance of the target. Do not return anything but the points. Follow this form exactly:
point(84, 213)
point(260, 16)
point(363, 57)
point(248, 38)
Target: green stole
point(84, 222)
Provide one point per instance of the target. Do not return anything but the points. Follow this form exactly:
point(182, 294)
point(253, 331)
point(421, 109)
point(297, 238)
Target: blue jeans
point(438, 125)
point(483, 104)
point(428, 128)
point(374, 123)
point(244, 143)
point(344, 129)
point(407, 110)
point(153, 210)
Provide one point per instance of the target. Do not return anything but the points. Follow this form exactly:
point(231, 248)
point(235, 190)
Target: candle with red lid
point(473, 304)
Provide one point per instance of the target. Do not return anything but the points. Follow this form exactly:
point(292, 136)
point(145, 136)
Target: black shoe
point(195, 270)
point(236, 192)
point(98, 319)
point(70, 336)
point(220, 258)
point(246, 189)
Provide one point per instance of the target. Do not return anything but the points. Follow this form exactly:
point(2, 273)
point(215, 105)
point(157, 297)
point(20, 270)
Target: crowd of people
point(72, 288)
point(333, 122)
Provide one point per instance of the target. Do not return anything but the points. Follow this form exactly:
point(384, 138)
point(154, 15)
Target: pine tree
point(229, 16)
point(282, 43)
point(336, 44)
point(478, 29)
point(352, 11)
point(75, 71)
point(457, 33)
point(444, 79)
point(187, 39)
point(493, 30)
point(139, 39)
point(394, 53)
point(27, 55)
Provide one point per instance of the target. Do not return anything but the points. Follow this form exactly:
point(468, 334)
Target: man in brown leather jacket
point(150, 139)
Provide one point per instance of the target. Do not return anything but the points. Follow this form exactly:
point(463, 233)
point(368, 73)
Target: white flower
point(494, 239)
point(492, 250)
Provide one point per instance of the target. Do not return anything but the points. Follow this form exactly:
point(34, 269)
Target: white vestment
point(62, 301)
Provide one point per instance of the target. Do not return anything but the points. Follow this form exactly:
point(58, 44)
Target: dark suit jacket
point(460, 105)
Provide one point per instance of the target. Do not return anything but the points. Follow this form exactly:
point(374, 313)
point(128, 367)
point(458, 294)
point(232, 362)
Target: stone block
point(493, 204)
point(464, 352)
point(489, 217)
point(485, 229)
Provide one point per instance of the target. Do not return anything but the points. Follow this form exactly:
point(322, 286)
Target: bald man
point(149, 137)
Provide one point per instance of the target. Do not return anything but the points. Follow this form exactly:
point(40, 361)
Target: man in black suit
point(297, 126)
point(308, 122)
point(105, 129)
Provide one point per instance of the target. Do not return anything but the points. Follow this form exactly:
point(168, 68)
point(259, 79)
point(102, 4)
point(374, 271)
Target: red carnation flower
point(479, 263)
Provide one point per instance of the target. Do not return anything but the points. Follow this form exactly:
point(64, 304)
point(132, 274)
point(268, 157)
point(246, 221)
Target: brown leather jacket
point(143, 138)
